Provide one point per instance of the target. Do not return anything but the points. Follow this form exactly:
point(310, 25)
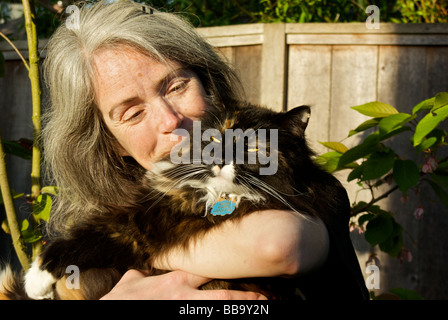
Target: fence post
point(273, 67)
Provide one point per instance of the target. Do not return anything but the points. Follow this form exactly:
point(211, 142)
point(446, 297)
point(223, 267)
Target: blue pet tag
point(223, 207)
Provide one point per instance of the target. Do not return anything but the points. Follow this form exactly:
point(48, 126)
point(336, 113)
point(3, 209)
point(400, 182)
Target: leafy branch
point(365, 206)
point(24, 231)
point(31, 32)
point(11, 214)
point(372, 164)
point(15, 49)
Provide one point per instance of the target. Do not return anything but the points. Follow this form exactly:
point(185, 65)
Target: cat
point(180, 201)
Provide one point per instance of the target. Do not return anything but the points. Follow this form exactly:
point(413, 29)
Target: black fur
point(154, 222)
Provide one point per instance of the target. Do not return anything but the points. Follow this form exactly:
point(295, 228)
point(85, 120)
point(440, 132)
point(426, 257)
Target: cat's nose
point(216, 169)
point(226, 171)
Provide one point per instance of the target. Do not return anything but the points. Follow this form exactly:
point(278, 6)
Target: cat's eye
point(252, 150)
point(215, 139)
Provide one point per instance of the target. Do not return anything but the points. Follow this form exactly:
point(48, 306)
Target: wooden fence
point(330, 67)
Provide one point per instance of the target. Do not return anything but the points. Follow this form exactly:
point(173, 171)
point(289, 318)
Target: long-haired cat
point(193, 191)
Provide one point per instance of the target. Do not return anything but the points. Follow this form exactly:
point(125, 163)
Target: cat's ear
point(296, 119)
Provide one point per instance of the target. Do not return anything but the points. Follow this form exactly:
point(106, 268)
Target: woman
point(120, 81)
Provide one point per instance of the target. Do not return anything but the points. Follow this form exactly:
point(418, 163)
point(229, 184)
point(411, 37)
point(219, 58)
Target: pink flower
point(430, 165)
point(373, 259)
point(418, 213)
point(352, 227)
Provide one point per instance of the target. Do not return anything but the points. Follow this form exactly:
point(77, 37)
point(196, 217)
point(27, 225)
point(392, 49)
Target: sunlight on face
point(143, 101)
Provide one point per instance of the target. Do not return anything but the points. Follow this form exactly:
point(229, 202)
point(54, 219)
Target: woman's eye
point(131, 116)
point(177, 87)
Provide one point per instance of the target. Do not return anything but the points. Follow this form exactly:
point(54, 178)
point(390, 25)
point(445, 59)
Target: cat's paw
point(39, 283)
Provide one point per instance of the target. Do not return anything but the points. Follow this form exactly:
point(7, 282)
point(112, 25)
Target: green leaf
point(406, 294)
point(14, 196)
point(424, 105)
point(390, 123)
point(441, 99)
point(356, 173)
point(378, 164)
point(24, 224)
point(441, 180)
point(358, 206)
point(440, 192)
point(31, 236)
point(42, 207)
point(394, 243)
point(435, 137)
point(376, 109)
point(329, 161)
point(376, 210)
point(379, 229)
point(439, 133)
point(5, 227)
point(364, 218)
point(368, 146)
point(53, 190)
point(406, 174)
point(426, 144)
point(428, 123)
point(332, 164)
point(395, 132)
point(364, 126)
point(443, 165)
point(17, 148)
point(336, 146)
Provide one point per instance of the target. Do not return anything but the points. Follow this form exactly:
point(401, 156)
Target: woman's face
point(142, 101)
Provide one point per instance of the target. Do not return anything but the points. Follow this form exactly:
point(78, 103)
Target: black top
point(340, 278)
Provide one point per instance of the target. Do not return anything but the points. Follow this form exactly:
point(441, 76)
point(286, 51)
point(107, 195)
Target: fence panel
point(330, 67)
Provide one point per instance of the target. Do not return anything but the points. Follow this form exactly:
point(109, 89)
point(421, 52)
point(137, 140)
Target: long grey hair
point(80, 153)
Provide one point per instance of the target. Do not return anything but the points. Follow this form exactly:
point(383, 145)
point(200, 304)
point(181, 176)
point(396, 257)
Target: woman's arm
point(263, 244)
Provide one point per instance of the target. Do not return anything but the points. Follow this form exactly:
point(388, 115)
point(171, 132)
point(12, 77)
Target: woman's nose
point(170, 119)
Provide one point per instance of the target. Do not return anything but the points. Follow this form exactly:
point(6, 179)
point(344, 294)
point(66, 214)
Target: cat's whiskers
point(165, 181)
point(298, 193)
point(161, 193)
point(267, 188)
point(180, 179)
point(197, 176)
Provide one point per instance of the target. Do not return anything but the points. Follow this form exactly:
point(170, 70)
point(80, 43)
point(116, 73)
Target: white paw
point(39, 283)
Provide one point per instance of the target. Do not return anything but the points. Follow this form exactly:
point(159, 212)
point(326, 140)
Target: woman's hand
point(266, 243)
point(176, 285)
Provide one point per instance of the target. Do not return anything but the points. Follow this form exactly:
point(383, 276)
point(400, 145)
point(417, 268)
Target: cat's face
point(240, 153)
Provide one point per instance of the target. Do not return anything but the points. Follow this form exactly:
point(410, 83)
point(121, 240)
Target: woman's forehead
point(119, 70)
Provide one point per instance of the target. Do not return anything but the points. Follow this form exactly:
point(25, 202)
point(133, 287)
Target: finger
point(192, 280)
point(132, 274)
point(229, 295)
